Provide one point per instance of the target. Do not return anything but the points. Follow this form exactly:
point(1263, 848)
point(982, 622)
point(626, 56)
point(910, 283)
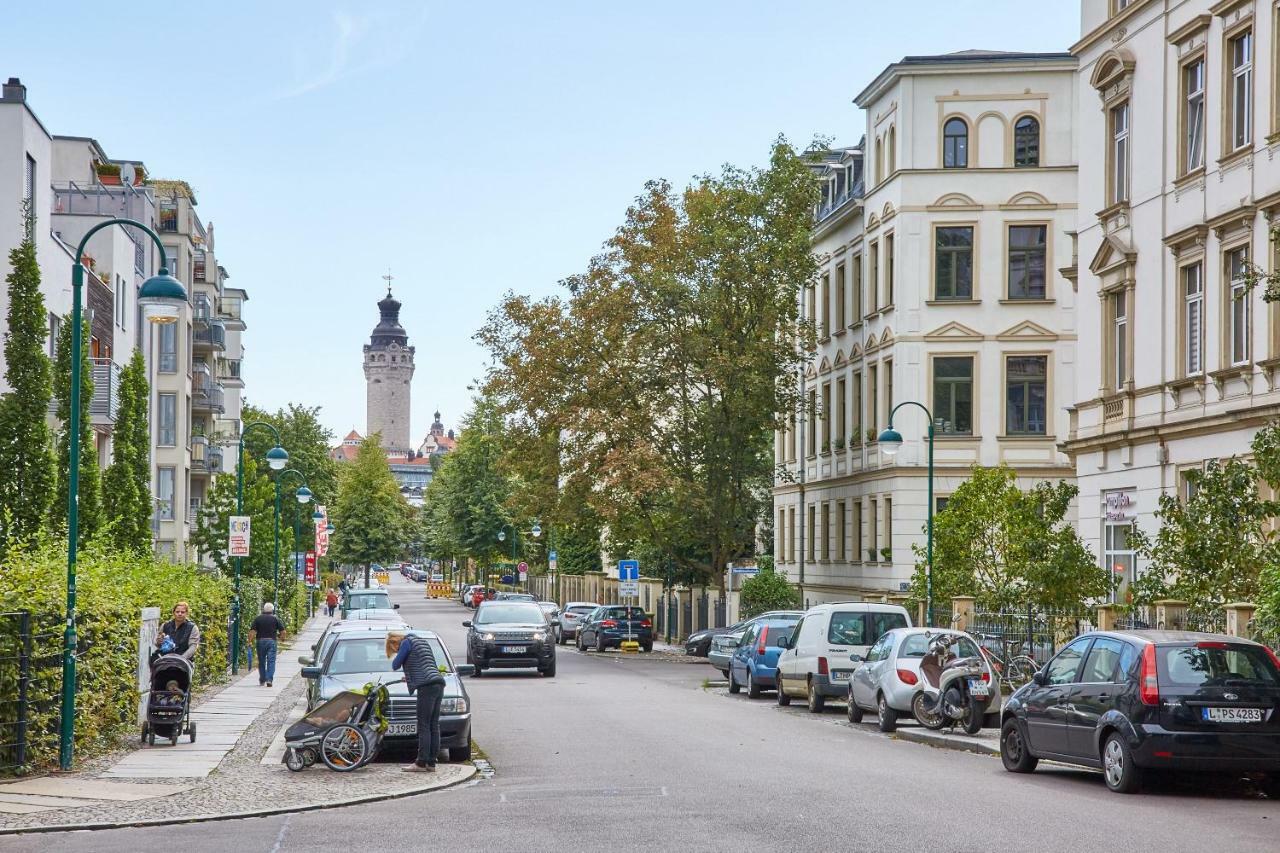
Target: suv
point(1130, 701)
point(511, 634)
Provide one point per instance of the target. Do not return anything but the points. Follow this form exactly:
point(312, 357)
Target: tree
point(766, 590)
point(1007, 547)
point(26, 457)
point(90, 477)
point(126, 486)
point(369, 514)
point(307, 441)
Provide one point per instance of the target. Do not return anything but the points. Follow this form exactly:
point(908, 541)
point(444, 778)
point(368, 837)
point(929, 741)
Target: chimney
point(14, 91)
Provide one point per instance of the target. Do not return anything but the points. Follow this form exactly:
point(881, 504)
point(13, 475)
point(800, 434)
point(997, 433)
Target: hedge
point(112, 588)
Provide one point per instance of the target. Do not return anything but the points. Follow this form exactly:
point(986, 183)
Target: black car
point(511, 634)
point(609, 625)
point(1131, 702)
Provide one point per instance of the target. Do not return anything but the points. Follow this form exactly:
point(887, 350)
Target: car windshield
point(515, 596)
point(548, 607)
point(916, 645)
point(509, 612)
point(369, 654)
point(368, 601)
point(1215, 664)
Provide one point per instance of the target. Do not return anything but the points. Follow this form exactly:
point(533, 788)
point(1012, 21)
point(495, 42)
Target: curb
point(947, 741)
point(268, 812)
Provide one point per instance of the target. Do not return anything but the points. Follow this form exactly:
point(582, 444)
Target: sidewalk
point(985, 742)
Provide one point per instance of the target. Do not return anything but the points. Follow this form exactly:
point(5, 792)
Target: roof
point(180, 188)
point(959, 57)
point(1156, 635)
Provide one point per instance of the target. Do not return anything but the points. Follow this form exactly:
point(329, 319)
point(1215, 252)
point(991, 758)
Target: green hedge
point(112, 588)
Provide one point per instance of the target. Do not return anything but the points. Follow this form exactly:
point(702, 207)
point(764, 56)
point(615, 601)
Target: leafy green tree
point(90, 516)
point(766, 590)
point(126, 485)
point(1008, 547)
point(26, 457)
point(370, 516)
point(211, 530)
point(307, 441)
point(578, 547)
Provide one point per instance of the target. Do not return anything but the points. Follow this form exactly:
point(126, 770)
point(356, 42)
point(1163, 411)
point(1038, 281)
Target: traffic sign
point(745, 570)
point(507, 579)
point(551, 561)
point(628, 570)
point(629, 589)
point(523, 568)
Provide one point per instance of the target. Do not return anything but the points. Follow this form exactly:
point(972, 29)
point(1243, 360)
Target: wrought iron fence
point(1038, 633)
point(15, 688)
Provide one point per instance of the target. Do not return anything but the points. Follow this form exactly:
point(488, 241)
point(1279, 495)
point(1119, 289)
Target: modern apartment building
point(1179, 127)
point(945, 279)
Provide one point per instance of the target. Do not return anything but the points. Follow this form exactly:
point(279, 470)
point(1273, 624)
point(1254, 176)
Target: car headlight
point(487, 637)
point(453, 705)
point(539, 636)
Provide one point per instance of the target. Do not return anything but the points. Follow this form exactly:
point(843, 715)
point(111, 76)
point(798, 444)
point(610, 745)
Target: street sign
point(507, 579)
point(629, 589)
point(310, 568)
point(628, 570)
point(238, 536)
point(551, 561)
point(523, 568)
point(745, 570)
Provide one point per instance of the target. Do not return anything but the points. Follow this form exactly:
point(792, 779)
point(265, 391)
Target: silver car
point(571, 618)
point(889, 676)
point(552, 611)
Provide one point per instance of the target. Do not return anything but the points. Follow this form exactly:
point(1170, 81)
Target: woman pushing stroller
point(179, 636)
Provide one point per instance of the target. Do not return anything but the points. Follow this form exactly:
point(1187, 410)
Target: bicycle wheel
point(343, 748)
point(1021, 669)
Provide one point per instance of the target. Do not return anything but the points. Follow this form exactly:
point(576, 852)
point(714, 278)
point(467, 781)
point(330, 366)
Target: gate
point(720, 613)
point(15, 682)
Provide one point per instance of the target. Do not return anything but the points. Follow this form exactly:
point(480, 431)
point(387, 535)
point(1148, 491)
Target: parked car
point(608, 625)
point(366, 599)
point(340, 626)
point(1129, 702)
point(723, 645)
point(353, 657)
point(816, 663)
point(511, 634)
point(464, 594)
point(889, 676)
point(552, 611)
point(754, 663)
point(699, 642)
point(571, 618)
point(515, 596)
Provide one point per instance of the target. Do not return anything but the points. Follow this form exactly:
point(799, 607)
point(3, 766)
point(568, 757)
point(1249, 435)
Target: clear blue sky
point(471, 148)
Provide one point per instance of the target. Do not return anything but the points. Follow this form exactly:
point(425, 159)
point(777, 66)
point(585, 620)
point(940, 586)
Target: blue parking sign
point(628, 570)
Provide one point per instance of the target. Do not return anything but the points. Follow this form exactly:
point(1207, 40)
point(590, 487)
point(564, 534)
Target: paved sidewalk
point(985, 742)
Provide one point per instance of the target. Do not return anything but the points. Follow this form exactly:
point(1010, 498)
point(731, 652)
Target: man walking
point(264, 632)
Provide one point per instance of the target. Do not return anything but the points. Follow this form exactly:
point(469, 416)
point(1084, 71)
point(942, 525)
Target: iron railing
point(15, 688)
point(1035, 632)
point(214, 335)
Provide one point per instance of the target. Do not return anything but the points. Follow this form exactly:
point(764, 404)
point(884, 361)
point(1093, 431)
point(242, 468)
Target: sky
point(471, 149)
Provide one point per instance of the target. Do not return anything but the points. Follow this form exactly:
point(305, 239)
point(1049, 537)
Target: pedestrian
point(263, 633)
point(422, 677)
point(182, 633)
point(332, 601)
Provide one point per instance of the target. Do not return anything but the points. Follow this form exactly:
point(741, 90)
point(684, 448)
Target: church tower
point(388, 369)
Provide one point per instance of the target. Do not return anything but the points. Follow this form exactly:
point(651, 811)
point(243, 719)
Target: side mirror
point(782, 641)
point(395, 607)
point(555, 623)
point(465, 669)
point(856, 658)
point(311, 672)
point(466, 624)
point(306, 661)
point(1040, 678)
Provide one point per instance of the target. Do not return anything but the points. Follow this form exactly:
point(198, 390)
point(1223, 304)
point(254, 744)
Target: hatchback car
point(723, 645)
point(571, 618)
point(754, 664)
point(1130, 702)
point(609, 625)
point(511, 634)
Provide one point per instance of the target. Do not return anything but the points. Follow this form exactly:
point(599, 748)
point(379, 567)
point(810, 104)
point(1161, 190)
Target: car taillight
point(1211, 644)
point(1148, 686)
point(822, 667)
point(986, 676)
point(760, 645)
point(646, 624)
point(907, 676)
point(608, 623)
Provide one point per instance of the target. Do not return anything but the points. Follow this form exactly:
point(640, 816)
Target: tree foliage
point(90, 518)
point(766, 590)
point(26, 457)
point(211, 531)
point(126, 485)
point(307, 441)
point(370, 516)
point(1007, 547)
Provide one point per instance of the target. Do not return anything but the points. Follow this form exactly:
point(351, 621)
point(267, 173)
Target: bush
point(766, 590)
point(112, 588)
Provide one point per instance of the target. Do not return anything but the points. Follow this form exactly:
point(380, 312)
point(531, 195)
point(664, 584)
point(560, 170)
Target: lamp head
point(162, 298)
point(303, 494)
point(329, 528)
point(319, 516)
point(890, 442)
point(502, 536)
point(277, 458)
point(536, 531)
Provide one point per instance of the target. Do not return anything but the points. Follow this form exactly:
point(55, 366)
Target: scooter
point(952, 689)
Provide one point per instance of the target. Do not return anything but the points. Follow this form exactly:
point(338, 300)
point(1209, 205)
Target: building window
point(167, 420)
point(1193, 115)
point(164, 493)
point(888, 386)
point(873, 399)
point(888, 269)
point(812, 531)
point(874, 284)
point(953, 262)
point(780, 540)
point(791, 534)
point(888, 529)
point(1027, 249)
point(1238, 313)
point(29, 198)
point(826, 417)
point(168, 361)
point(955, 144)
point(826, 531)
point(122, 303)
point(893, 149)
point(840, 530)
point(1026, 142)
point(939, 504)
point(1118, 6)
point(857, 406)
point(55, 329)
point(1240, 107)
point(826, 306)
point(1193, 318)
point(857, 530)
point(953, 394)
point(840, 298)
point(1118, 556)
point(812, 426)
point(1026, 390)
point(873, 532)
point(811, 305)
point(879, 159)
point(1120, 339)
point(855, 290)
point(842, 402)
point(1119, 152)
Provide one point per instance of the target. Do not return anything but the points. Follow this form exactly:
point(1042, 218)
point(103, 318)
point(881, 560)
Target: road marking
point(596, 793)
point(284, 829)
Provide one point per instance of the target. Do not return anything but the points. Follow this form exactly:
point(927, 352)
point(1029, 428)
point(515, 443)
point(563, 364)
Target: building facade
point(939, 284)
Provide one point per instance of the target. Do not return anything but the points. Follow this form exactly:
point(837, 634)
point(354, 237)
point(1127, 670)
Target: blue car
point(754, 664)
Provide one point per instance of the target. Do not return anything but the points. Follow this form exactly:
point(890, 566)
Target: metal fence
point(1038, 633)
point(15, 686)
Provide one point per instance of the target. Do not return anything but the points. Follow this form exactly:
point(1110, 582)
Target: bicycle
point(1013, 669)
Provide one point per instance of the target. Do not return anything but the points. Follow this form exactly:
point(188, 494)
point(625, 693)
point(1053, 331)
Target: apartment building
point(1179, 127)
point(939, 284)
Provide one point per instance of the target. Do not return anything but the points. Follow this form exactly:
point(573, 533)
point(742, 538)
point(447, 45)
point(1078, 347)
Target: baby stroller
point(344, 732)
point(169, 700)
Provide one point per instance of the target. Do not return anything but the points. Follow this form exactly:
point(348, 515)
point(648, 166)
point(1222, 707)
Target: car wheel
point(733, 682)
point(550, 672)
point(599, 642)
point(886, 717)
point(783, 699)
point(460, 753)
point(1118, 769)
point(753, 689)
point(855, 713)
point(817, 702)
point(1014, 754)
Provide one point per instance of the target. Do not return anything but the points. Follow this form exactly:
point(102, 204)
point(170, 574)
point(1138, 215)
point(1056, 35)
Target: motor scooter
point(953, 689)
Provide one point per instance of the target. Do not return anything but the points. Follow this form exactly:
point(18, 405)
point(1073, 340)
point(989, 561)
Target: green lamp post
point(890, 444)
point(303, 494)
point(162, 298)
point(277, 458)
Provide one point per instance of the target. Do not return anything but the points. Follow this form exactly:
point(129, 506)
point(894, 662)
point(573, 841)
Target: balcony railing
point(229, 370)
point(106, 391)
point(214, 336)
point(208, 396)
point(199, 454)
point(231, 309)
point(194, 507)
point(201, 308)
point(168, 218)
point(215, 460)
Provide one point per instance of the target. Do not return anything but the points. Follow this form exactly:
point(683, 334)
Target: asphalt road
point(635, 754)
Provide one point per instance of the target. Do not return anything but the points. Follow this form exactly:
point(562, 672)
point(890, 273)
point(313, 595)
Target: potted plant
point(886, 554)
point(871, 555)
point(108, 173)
point(839, 442)
point(871, 435)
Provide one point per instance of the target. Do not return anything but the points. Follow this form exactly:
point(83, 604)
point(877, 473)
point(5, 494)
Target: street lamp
point(303, 494)
point(165, 295)
point(277, 458)
point(535, 531)
point(890, 444)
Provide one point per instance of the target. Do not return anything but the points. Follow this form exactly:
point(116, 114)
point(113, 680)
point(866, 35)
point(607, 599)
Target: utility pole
point(802, 428)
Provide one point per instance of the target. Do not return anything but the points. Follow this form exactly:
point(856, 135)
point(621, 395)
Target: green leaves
point(126, 485)
point(766, 590)
point(370, 516)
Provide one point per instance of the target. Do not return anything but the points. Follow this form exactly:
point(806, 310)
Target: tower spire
point(388, 278)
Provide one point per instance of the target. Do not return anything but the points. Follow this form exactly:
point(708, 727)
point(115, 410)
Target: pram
point(168, 710)
point(344, 732)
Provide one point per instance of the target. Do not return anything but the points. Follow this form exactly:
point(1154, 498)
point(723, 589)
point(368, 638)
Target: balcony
point(201, 308)
point(168, 217)
point(230, 311)
point(207, 396)
point(194, 506)
point(106, 392)
point(215, 460)
point(229, 372)
point(213, 337)
point(199, 454)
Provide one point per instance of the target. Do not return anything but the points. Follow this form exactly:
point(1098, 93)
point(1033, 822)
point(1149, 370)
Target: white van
point(815, 665)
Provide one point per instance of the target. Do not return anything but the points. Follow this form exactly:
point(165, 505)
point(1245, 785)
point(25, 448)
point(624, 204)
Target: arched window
point(893, 149)
point(1026, 142)
point(955, 144)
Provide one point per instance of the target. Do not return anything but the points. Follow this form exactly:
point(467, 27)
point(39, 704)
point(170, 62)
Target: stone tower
point(388, 369)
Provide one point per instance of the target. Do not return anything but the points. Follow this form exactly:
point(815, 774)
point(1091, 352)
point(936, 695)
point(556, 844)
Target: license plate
point(978, 688)
point(513, 650)
point(840, 675)
point(1233, 715)
point(394, 729)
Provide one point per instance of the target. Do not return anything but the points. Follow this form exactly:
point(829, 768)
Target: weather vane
point(388, 278)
